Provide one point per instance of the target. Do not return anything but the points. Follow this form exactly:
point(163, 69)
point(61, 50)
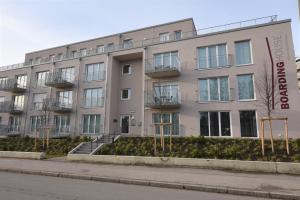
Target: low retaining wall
point(19, 154)
point(249, 166)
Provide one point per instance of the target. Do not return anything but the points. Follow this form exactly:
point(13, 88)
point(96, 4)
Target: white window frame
point(251, 53)
point(237, 86)
point(89, 121)
point(99, 98)
point(164, 37)
point(40, 81)
point(101, 71)
point(217, 56)
point(34, 100)
point(129, 94)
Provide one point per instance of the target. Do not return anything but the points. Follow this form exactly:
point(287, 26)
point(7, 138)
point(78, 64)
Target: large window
point(245, 86)
point(3, 81)
point(41, 78)
point(214, 89)
point(166, 92)
point(127, 44)
point(163, 37)
point(212, 56)
point(14, 123)
point(100, 49)
point(19, 102)
point(91, 124)
point(36, 122)
point(62, 123)
point(215, 124)
point(21, 81)
point(94, 72)
point(243, 53)
point(83, 52)
point(38, 101)
point(170, 120)
point(68, 74)
point(248, 123)
point(93, 97)
point(64, 98)
point(166, 60)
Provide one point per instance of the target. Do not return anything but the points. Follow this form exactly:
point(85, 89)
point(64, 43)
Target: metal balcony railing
point(13, 85)
point(163, 99)
point(10, 107)
point(218, 61)
point(93, 102)
point(60, 80)
point(151, 41)
point(98, 76)
point(59, 106)
point(163, 66)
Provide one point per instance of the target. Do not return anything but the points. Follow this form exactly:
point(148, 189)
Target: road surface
point(32, 187)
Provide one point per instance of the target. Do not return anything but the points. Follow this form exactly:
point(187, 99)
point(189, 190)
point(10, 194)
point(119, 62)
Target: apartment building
point(170, 78)
point(298, 71)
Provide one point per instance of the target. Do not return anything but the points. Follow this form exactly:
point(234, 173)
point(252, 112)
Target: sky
point(30, 25)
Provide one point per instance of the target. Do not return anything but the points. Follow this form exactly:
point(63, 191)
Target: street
point(32, 187)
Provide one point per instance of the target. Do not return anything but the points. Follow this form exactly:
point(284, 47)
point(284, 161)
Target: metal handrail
point(169, 62)
point(152, 41)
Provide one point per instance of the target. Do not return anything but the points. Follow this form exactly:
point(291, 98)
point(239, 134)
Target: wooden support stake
point(263, 137)
point(155, 153)
point(271, 136)
point(171, 140)
point(286, 137)
point(48, 130)
point(35, 141)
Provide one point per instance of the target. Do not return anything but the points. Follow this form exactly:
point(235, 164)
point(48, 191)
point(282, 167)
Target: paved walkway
point(275, 183)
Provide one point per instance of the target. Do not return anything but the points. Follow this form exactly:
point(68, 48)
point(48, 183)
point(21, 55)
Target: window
point(65, 99)
point(67, 74)
point(163, 37)
point(91, 124)
point(93, 97)
point(38, 100)
point(245, 86)
point(243, 53)
point(125, 121)
point(95, 72)
point(59, 56)
point(100, 49)
point(177, 35)
point(166, 93)
point(215, 124)
point(73, 54)
point(127, 44)
point(41, 78)
point(171, 118)
point(212, 56)
point(30, 61)
point(125, 94)
point(36, 122)
point(62, 123)
point(110, 47)
point(18, 102)
point(51, 57)
point(3, 81)
point(126, 69)
point(166, 60)
point(248, 123)
point(83, 52)
point(214, 89)
point(21, 81)
point(2, 99)
point(38, 60)
point(14, 124)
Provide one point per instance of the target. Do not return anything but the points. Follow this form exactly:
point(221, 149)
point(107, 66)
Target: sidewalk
point(263, 185)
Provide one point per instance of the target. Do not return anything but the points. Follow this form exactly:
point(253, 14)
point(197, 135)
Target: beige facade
point(298, 71)
point(197, 82)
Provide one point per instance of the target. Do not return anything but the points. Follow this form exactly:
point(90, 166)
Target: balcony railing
point(10, 107)
point(168, 66)
point(60, 106)
point(13, 85)
point(93, 102)
point(98, 76)
point(151, 41)
point(59, 80)
point(218, 61)
point(163, 99)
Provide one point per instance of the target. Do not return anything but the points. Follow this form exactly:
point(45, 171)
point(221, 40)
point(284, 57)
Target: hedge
point(201, 147)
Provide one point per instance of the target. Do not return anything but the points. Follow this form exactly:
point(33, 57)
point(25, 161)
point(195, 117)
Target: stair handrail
point(77, 147)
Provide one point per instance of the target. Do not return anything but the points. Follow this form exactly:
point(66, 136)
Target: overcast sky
point(29, 25)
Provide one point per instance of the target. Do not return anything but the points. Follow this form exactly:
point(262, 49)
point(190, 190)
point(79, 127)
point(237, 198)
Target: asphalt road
point(32, 187)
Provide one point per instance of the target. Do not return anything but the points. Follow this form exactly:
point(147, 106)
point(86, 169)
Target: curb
point(182, 186)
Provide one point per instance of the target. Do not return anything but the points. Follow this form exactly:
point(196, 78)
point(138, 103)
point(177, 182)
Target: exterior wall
point(298, 72)
point(139, 83)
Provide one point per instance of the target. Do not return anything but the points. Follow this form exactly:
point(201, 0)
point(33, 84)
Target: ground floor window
point(91, 124)
point(36, 122)
point(215, 124)
point(170, 120)
point(14, 124)
point(248, 123)
point(62, 123)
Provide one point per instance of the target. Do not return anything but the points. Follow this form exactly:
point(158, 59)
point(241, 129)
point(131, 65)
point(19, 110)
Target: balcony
point(10, 107)
point(13, 85)
point(166, 99)
point(60, 106)
point(168, 66)
point(59, 80)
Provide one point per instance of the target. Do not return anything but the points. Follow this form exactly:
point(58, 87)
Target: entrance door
point(125, 124)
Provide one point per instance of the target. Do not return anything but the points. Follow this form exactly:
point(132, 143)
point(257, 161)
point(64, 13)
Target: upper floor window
point(93, 97)
point(110, 47)
point(21, 81)
point(125, 94)
point(166, 60)
point(166, 92)
point(51, 57)
point(83, 52)
point(18, 102)
point(3, 80)
point(67, 74)
point(41, 78)
point(100, 48)
point(95, 72)
point(59, 56)
point(38, 60)
point(30, 61)
point(64, 98)
point(2, 99)
point(243, 53)
point(177, 35)
point(73, 54)
point(212, 56)
point(38, 101)
point(127, 43)
point(126, 69)
point(214, 89)
point(245, 86)
point(163, 37)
